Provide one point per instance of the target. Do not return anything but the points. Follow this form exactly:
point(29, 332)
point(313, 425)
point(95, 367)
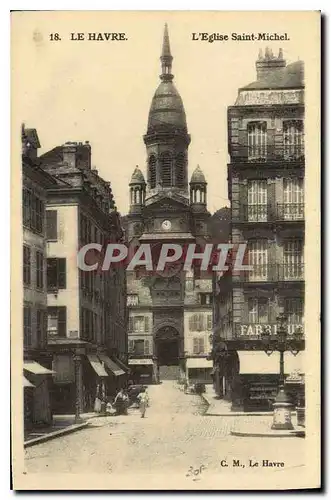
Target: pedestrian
point(121, 403)
point(143, 402)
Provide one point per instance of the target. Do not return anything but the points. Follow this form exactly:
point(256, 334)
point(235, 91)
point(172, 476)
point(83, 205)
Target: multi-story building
point(266, 191)
point(86, 309)
point(170, 312)
point(37, 363)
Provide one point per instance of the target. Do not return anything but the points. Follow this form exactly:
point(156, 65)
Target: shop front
point(199, 370)
point(257, 382)
point(37, 404)
point(143, 371)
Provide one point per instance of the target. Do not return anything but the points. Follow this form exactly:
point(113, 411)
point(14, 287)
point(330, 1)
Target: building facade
point(266, 191)
point(37, 366)
point(86, 310)
point(170, 311)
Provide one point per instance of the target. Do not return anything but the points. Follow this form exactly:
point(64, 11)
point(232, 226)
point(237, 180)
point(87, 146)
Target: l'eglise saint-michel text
point(239, 37)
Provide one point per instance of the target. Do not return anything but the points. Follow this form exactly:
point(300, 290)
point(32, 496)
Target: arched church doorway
point(167, 351)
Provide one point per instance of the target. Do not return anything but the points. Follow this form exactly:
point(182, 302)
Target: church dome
point(167, 110)
point(137, 177)
point(198, 176)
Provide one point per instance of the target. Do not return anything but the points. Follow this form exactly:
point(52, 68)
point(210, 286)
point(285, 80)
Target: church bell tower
point(167, 139)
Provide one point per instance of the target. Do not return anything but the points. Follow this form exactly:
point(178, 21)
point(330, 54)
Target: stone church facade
point(170, 312)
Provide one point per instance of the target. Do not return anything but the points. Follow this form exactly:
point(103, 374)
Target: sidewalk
point(62, 424)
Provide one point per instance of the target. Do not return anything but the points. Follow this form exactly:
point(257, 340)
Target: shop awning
point(258, 362)
point(141, 362)
point(111, 365)
point(36, 368)
point(121, 365)
point(26, 383)
point(97, 365)
point(199, 363)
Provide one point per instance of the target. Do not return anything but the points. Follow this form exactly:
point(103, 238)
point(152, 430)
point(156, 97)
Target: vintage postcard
point(165, 250)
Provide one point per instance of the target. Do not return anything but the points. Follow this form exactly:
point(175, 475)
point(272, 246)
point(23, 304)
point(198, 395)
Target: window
point(51, 224)
point(293, 137)
point(41, 327)
point(26, 265)
point(197, 323)
point(198, 345)
point(138, 324)
point(139, 347)
point(258, 259)
point(40, 269)
point(257, 201)
point(33, 211)
point(209, 322)
point(293, 208)
point(206, 299)
point(258, 310)
point(56, 273)
point(165, 164)
point(293, 260)
point(27, 332)
point(257, 140)
point(132, 300)
point(56, 322)
point(180, 170)
point(294, 310)
point(152, 171)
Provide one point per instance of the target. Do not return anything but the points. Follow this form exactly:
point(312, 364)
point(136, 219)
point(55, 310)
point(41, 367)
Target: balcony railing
point(264, 153)
point(278, 272)
point(290, 211)
point(266, 213)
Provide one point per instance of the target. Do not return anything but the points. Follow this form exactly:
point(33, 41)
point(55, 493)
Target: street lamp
point(282, 343)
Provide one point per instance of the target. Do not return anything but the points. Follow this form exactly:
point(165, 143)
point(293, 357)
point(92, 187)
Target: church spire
point(166, 57)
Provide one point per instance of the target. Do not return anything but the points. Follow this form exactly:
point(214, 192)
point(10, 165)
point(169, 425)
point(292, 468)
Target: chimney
point(70, 153)
point(267, 64)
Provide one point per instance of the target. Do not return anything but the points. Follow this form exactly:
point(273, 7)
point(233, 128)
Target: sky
point(101, 91)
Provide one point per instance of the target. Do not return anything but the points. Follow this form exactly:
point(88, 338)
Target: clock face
point(166, 224)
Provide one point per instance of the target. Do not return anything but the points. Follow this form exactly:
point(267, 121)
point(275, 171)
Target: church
point(170, 311)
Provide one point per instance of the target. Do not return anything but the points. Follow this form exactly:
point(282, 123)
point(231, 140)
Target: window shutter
point(52, 273)
point(62, 321)
point(191, 323)
point(195, 345)
point(130, 324)
point(131, 345)
point(62, 273)
point(201, 345)
point(146, 347)
point(51, 224)
point(271, 200)
point(146, 324)
point(271, 142)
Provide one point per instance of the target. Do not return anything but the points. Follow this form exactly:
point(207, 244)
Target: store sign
point(255, 330)
point(262, 97)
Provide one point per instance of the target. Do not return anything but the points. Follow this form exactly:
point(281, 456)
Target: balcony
point(266, 153)
point(290, 212)
point(287, 272)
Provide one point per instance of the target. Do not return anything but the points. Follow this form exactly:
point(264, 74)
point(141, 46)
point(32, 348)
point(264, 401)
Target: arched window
point(166, 169)
point(180, 170)
point(152, 171)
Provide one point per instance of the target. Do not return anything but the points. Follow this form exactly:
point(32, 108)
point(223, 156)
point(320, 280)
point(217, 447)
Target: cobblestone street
point(173, 437)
